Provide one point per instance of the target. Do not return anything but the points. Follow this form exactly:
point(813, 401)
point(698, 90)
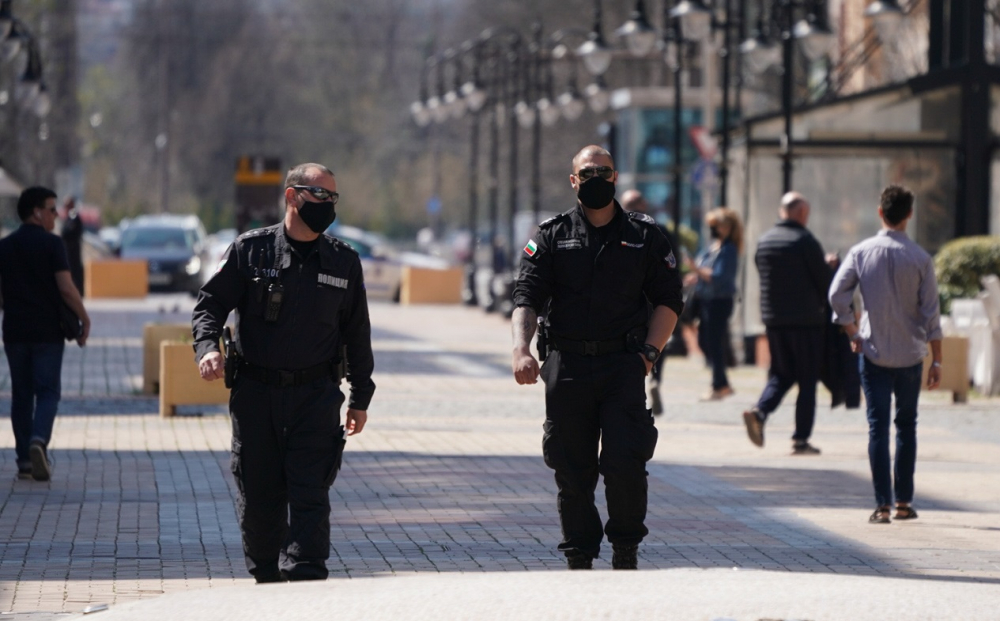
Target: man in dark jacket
point(794, 279)
point(300, 304)
point(35, 280)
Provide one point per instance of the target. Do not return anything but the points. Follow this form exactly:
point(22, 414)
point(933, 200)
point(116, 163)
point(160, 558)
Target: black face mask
point(596, 193)
point(317, 216)
point(714, 232)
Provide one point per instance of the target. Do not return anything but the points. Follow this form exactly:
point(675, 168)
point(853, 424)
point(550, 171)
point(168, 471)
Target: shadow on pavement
point(125, 515)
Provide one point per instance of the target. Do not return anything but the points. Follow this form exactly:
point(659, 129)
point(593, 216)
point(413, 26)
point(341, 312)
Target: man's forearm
point(661, 326)
point(524, 322)
point(936, 350)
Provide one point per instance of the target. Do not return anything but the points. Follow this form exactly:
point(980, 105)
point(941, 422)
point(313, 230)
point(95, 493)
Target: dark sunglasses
point(319, 193)
point(605, 172)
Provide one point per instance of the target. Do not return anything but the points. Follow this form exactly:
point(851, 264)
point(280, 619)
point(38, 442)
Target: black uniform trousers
point(287, 447)
point(796, 358)
point(596, 402)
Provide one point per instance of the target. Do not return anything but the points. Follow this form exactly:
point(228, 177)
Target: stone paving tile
point(448, 477)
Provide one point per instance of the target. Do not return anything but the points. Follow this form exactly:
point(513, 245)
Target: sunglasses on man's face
point(605, 172)
point(319, 193)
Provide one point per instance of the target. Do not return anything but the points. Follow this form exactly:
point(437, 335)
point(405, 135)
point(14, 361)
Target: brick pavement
point(448, 477)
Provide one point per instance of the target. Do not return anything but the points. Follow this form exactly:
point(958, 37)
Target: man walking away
point(793, 282)
point(34, 281)
point(901, 316)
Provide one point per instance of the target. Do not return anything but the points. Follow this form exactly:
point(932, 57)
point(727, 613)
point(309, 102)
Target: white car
point(382, 265)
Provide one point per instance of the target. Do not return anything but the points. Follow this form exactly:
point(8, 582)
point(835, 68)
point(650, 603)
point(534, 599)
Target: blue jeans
point(35, 370)
point(879, 385)
point(712, 333)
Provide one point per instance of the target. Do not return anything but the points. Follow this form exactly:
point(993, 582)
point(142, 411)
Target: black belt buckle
point(590, 348)
point(285, 378)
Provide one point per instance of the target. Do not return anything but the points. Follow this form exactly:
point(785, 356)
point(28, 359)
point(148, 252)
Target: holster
point(340, 366)
point(635, 339)
point(231, 361)
point(543, 340)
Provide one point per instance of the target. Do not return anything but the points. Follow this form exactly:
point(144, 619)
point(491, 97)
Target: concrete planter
point(954, 367)
point(152, 335)
point(116, 279)
point(180, 383)
point(431, 286)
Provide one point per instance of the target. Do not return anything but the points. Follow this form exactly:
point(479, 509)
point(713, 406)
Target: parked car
point(174, 247)
point(217, 244)
point(382, 264)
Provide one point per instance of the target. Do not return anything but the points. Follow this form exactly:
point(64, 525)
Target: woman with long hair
point(714, 277)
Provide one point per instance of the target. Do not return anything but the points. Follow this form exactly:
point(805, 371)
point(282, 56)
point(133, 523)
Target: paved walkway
point(448, 480)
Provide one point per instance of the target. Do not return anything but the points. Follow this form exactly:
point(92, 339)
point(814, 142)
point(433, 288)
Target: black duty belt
point(587, 348)
point(284, 379)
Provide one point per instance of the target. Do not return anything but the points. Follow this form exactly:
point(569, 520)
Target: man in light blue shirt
point(901, 316)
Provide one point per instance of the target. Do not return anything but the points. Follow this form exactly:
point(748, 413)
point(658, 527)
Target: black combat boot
point(579, 561)
point(625, 557)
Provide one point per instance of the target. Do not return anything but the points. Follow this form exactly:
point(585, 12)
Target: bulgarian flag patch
point(531, 248)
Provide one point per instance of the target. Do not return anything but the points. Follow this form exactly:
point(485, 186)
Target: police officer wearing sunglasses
point(589, 274)
point(301, 314)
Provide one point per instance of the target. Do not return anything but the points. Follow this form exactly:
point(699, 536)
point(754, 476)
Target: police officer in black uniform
point(300, 302)
point(594, 269)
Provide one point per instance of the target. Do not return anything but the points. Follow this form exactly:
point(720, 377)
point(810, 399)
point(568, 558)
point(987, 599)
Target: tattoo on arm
point(524, 322)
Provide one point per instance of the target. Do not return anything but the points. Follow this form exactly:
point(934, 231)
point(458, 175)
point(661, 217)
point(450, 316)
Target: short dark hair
point(896, 204)
point(31, 198)
point(298, 174)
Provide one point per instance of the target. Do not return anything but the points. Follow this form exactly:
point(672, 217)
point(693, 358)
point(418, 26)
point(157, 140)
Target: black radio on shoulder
point(272, 305)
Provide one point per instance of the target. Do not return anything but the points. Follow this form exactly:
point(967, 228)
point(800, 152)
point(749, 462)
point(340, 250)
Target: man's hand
point(355, 422)
point(210, 366)
point(525, 367)
point(86, 332)
point(933, 377)
point(856, 346)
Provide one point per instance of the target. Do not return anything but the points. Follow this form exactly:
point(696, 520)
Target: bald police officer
point(593, 272)
point(300, 301)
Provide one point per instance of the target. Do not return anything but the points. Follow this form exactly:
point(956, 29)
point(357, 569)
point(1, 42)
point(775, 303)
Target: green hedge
point(960, 264)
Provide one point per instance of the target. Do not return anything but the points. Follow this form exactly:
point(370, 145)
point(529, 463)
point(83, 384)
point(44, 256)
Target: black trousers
point(796, 358)
point(596, 422)
point(286, 452)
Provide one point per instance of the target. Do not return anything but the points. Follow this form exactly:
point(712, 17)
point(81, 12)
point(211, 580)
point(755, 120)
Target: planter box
point(429, 286)
point(180, 383)
point(954, 367)
point(152, 335)
point(116, 279)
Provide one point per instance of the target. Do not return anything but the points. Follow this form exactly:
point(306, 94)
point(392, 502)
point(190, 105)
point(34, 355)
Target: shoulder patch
point(547, 223)
point(340, 244)
point(641, 217)
point(269, 230)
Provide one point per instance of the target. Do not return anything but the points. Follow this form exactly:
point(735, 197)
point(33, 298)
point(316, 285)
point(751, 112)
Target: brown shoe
point(804, 448)
point(755, 426)
point(719, 394)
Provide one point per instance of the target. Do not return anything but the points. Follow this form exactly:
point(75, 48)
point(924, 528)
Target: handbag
point(69, 323)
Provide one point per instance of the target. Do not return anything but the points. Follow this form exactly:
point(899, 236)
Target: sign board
point(259, 182)
point(704, 141)
point(705, 175)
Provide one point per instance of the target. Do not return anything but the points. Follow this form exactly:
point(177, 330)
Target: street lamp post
point(815, 37)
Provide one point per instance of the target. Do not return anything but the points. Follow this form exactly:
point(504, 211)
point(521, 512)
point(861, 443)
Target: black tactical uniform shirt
point(324, 305)
point(599, 280)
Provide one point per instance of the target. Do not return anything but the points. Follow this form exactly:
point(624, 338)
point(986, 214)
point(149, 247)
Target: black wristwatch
point(650, 352)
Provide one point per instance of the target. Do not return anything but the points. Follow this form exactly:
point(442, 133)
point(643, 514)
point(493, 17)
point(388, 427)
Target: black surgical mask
point(714, 232)
point(317, 216)
point(596, 193)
